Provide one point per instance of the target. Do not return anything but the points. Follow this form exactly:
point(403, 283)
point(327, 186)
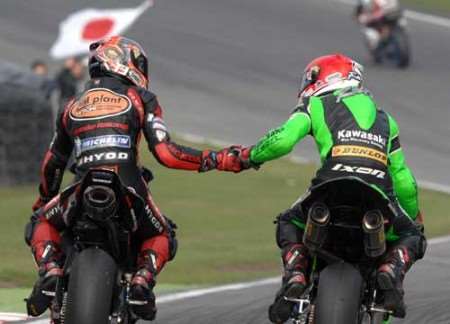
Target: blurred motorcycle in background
point(385, 31)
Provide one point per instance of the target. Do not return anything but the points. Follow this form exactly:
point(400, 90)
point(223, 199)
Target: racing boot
point(390, 279)
point(294, 283)
point(142, 298)
point(47, 257)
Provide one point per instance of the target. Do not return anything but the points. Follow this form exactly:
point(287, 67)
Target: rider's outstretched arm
point(281, 141)
point(177, 156)
point(405, 186)
point(54, 163)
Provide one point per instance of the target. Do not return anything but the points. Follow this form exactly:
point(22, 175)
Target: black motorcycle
point(345, 233)
point(100, 255)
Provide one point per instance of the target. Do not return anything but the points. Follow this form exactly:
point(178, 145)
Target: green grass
point(225, 224)
point(11, 299)
point(436, 6)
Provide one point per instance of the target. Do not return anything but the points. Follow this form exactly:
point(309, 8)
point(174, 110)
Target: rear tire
point(401, 43)
point(339, 295)
point(91, 283)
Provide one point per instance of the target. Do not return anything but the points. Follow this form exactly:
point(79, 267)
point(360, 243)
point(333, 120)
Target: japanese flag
point(86, 26)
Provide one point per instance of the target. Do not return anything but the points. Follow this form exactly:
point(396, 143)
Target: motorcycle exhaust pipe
point(316, 226)
point(374, 237)
point(99, 202)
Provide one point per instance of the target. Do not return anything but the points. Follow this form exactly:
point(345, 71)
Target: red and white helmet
point(328, 73)
point(121, 57)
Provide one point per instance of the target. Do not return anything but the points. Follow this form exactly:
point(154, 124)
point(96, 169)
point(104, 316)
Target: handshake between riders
point(102, 128)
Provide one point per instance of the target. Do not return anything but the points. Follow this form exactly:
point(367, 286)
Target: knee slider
point(173, 247)
point(281, 221)
point(422, 245)
point(277, 222)
point(28, 233)
point(416, 245)
point(30, 226)
point(287, 232)
point(173, 242)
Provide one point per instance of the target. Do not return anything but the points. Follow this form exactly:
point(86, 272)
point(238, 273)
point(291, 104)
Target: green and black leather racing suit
point(354, 138)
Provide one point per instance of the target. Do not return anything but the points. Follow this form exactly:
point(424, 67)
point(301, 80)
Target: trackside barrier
point(26, 126)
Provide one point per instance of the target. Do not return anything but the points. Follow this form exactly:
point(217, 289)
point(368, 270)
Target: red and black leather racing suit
point(103, 127)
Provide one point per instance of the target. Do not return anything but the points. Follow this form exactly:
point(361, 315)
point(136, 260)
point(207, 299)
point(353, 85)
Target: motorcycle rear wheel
point(339, 295)
point(90, 290)
point(402, 46)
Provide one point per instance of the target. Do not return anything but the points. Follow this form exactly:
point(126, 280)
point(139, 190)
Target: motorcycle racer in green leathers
point(354, 138)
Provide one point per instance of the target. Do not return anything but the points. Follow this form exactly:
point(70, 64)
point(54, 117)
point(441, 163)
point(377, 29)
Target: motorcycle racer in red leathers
point(103, 127)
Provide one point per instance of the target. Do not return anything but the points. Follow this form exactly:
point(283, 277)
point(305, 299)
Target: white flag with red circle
point(86, 26)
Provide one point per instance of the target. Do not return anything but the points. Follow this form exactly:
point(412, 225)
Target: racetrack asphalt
point(229, 70)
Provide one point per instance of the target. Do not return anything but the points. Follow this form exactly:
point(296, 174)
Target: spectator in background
point(40, 69)
point(69, 78)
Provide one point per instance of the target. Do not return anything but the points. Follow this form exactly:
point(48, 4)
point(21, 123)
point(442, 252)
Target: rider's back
point(353, 137)
point(104, 123)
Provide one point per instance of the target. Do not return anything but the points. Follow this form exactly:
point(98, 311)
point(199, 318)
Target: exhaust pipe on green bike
point(374, 237)
point(316, 226)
